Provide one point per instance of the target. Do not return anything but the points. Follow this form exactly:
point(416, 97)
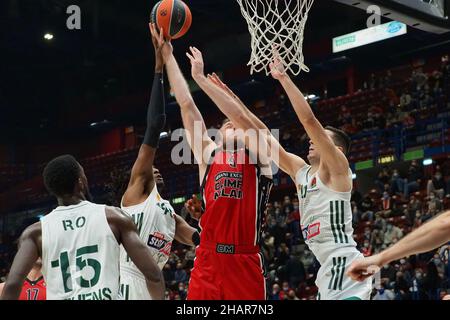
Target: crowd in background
point(398, 203)
point(380, 218)
point(424, 92)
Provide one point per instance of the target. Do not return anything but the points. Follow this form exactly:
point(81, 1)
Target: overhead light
point(427, 162)
point(312, 97)
point(48, 36)
point(104, 122)
point(354, 176)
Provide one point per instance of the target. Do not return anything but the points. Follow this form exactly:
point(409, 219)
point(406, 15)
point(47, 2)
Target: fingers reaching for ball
point(196, 58)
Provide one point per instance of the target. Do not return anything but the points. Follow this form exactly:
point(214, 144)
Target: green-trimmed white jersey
point(326, 223)
point(325, 216)
point(155, 220)
point(80, 254)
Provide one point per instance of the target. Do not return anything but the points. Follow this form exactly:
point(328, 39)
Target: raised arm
point(240, 115)
point(27, 255)
point(142, 180)
point(331, 157)
point(138, 252)
point(288, 162)
point(430, 236)
point(201, 145)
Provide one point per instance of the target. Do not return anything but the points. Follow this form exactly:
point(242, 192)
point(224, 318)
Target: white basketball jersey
point(325, 216)
point(80, 254)
point(155, 220)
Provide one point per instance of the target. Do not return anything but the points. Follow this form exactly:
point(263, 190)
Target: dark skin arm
point(142, 180)
point(184, 231)
point(29, 251)
point(126, 233)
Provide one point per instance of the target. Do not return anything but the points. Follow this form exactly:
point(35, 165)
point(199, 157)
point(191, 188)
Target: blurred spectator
point(380, 222)
point(182, 292)
point(291, 295)
point(414, 178)
point(401, 286)
point(416, 285)
point(295, 271)
point(377, 240)
point(180, 274)
point(434, 204)
point(384, 294)
point(366, 249)
point(388, 273)
point(432, 282)
point(169, 275)
point(405, 100)
point(293, 221)
point(437, 185)
point(275, 293)
point(397, 183)
point(392, 232)
point(367, 209)
point(382, 179)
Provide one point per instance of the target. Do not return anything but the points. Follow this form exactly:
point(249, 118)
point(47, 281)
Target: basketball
point(173, 16)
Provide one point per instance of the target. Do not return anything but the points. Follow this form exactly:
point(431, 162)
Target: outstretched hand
point(362, 269)
point(214, 78)
point(163, 48)
point(194, 207)
point(196, 58)
point(277, 69)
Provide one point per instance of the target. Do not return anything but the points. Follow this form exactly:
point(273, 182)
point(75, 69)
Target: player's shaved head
point(61, 175)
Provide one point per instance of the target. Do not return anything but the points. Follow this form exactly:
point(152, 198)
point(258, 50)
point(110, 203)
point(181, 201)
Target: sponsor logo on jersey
point(225, 248)
point(228, 185)
point(311, 230)
point(314, 183)
point(158, 242)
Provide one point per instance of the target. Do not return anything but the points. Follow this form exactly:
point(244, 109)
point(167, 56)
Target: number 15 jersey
point(80, 254)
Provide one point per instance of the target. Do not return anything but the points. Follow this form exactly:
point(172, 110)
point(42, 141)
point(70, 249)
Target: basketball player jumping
point(34, 287)
point(157, 223)
point(228, 264)
point(324, 186)
point(324, 191)
point(79, 243)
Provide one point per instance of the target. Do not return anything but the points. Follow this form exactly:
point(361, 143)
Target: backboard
point(427, 15)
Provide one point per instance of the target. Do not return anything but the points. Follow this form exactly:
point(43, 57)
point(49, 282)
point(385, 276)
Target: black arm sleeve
point(156, 115)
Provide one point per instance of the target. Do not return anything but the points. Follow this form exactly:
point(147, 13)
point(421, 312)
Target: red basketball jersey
point(235, 195)
point(33, 290)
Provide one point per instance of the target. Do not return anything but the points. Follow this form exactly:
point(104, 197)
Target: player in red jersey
point(235, 187)
point(34, 287)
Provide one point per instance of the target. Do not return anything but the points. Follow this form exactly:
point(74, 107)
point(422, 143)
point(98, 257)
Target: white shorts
point(334, 284)
point(133, 288)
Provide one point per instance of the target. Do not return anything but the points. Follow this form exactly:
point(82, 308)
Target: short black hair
point(341, 139)
point(61, 175)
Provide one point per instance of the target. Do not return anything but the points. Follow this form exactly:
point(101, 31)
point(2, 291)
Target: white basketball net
point(277, 28)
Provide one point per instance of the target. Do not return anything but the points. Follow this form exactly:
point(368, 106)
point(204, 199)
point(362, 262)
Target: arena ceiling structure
point(45, 81)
